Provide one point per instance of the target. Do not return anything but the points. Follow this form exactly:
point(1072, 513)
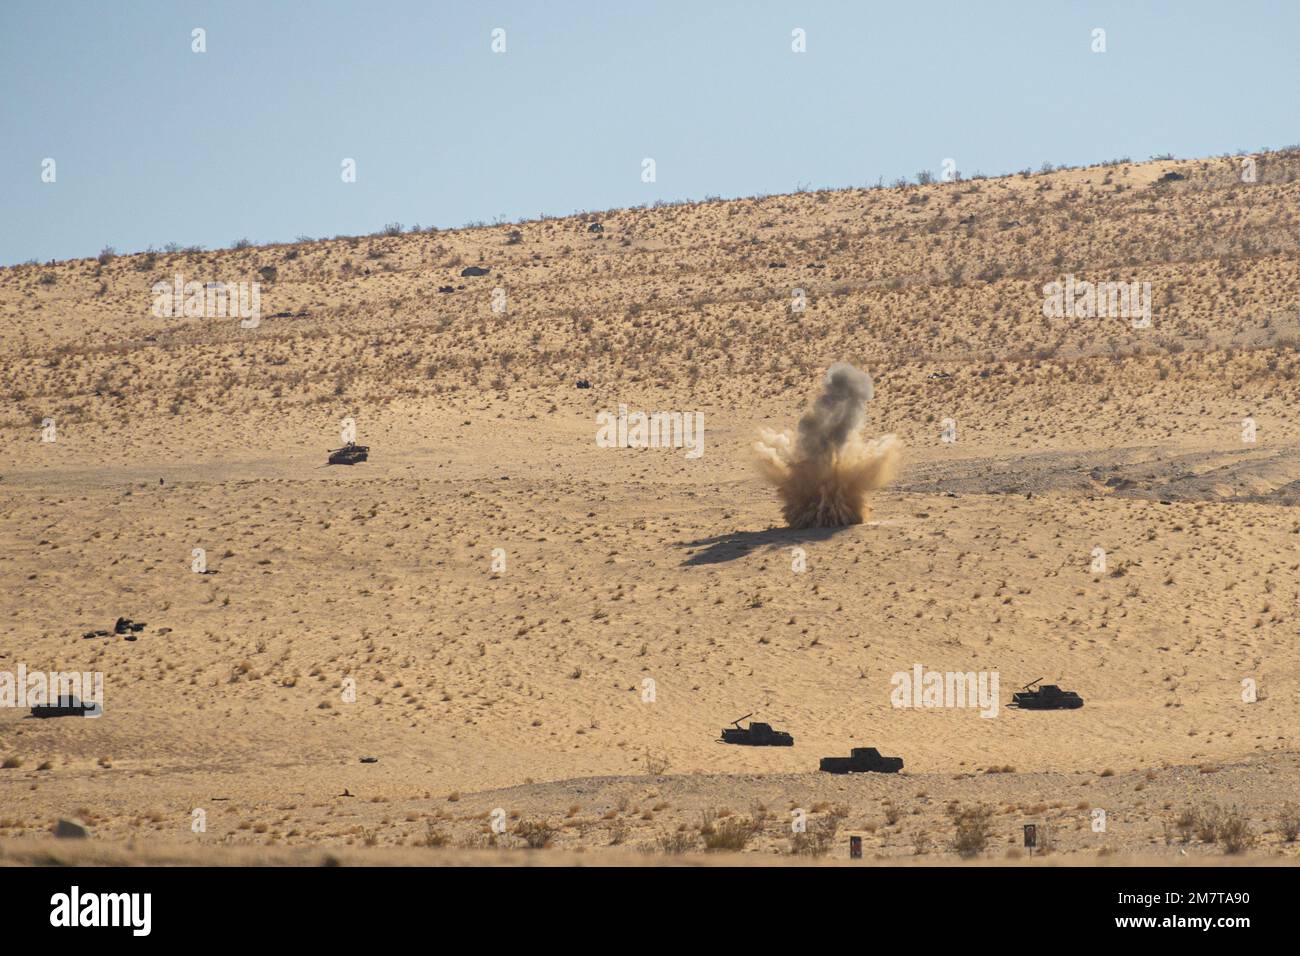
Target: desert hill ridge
point(622, 565)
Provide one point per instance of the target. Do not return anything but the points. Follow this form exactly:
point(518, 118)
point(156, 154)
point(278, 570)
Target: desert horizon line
point(920, 179)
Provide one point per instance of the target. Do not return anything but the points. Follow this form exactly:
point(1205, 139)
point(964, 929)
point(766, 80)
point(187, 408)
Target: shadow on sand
point(737, 544)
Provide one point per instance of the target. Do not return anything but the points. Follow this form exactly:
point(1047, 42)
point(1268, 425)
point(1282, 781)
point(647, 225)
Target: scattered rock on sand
point(67, 830)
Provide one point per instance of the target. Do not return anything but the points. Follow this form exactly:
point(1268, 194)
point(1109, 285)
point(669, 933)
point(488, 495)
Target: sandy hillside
point(525, 689)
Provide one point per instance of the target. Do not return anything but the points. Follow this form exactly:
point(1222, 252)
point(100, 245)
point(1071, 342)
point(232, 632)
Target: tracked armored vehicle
point(1047, 697)
point(862, 760)
point(349, 454)
point(756, 735)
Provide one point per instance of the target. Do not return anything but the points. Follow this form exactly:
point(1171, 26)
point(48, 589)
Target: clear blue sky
point(155, 143)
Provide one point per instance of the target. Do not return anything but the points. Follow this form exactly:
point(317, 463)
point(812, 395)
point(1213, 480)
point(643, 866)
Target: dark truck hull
point(350, 456)
point(64, 707)
point(1055, 703)
point(852, 765)
point(776, 739)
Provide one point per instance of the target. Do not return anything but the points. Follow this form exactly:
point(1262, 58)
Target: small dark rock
point(67, 830)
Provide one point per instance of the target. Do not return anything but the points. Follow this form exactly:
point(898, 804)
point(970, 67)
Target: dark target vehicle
point(756, 735)
point(1047, 697)
point(66, 705)
point(862, 760)
point(349, 454)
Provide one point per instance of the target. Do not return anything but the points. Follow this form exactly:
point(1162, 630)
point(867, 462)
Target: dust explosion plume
point(825, 474)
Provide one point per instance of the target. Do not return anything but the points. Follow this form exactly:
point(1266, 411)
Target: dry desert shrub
point(677, 842)
point(656, 765)
point(733, 833)
point(538, 834)
point(1208, 821)
point(1234, 833)
point(920, 843)
point(1229, 828)
point(722, 830)
point(479, 841)
point(434, 837)
point(817, 840)
point(819, 837)
point(618, 832)
point(972, 827)
point(1288, 822)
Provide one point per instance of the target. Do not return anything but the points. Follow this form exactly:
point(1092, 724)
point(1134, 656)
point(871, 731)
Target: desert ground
point(482, 609)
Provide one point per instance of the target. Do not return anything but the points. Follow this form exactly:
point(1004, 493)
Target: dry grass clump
point(618, 832)
point(972, 827)
point(1207, 823)
point(819, 836)
point(656, 765)
point(1288, 822)
point(1235, 834)
point(433, 836)
point(1185, 825)
point(677, 842)
point(1228, 828)
point(537, 834)
point(722, 831)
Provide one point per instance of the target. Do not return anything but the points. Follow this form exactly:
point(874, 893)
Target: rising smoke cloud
point(825, 473)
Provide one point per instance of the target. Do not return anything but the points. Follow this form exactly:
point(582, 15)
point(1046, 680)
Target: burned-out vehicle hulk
point(349, 454)
point(756, 735)
point(1047, 697)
